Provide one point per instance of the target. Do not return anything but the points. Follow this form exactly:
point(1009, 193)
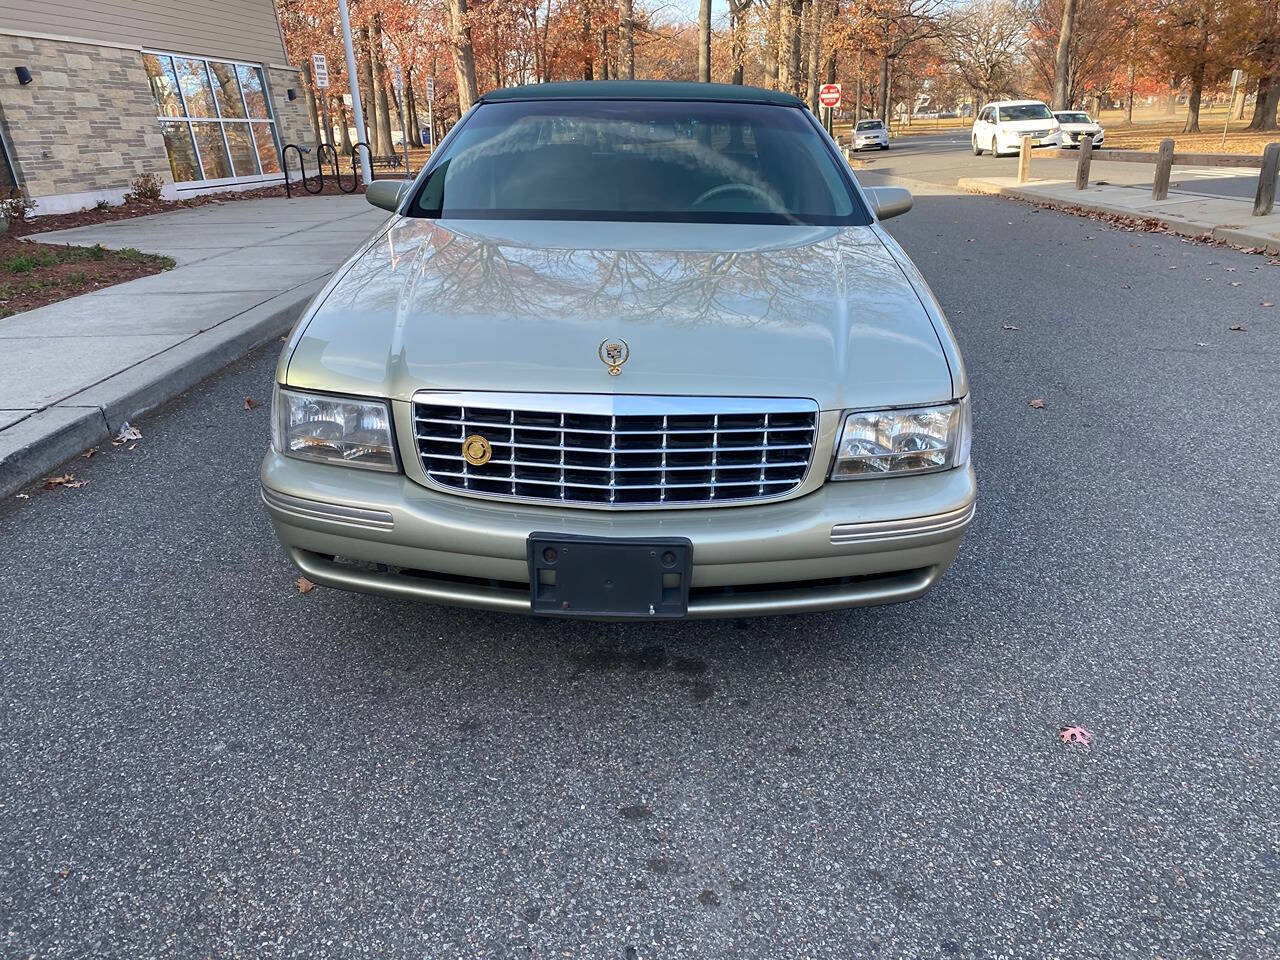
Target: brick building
point(95, 92)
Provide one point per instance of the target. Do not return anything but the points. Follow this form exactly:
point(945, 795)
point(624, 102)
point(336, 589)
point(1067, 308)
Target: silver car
point(626, 350)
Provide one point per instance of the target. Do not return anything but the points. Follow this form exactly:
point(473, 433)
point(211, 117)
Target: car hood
point(1049, 125)
point(1081, 127)
point(717, 310)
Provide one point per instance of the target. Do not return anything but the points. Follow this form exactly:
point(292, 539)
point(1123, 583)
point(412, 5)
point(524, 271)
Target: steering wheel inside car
point(747, 188)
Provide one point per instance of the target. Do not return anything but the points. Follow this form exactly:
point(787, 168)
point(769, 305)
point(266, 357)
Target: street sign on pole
point(829, 95)
point(431, 88)
point(320, 69)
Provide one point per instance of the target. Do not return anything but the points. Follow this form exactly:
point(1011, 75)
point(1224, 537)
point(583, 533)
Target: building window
point(214, 117)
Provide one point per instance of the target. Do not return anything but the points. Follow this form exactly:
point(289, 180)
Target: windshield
point(639, 160)
point(869, 125)
point(1073, 117)
point(1026, 111)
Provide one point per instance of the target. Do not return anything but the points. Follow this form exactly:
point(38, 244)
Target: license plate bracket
point(580, 576)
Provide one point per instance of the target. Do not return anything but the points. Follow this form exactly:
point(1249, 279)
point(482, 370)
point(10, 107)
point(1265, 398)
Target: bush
point(147, 187)
point(16, 207)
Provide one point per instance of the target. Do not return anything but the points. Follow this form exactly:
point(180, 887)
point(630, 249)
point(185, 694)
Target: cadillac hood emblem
point(476, 450)
point(613, 354)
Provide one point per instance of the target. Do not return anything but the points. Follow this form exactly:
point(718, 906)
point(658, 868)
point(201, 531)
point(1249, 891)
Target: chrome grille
point(617, 451)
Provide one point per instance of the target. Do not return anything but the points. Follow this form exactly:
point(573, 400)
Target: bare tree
point(985, 44)
point(899, 27)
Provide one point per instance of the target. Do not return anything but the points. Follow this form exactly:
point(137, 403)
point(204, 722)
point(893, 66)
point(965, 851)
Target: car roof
point(1010, 103)
point(641, 90)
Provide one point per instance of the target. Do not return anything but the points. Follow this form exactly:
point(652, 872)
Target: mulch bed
point(145, 208)
point(35, 274)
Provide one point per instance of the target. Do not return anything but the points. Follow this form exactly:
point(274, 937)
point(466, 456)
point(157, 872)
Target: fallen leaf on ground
point(1266, 303)
point(89, 453)
point(22, 496)
point(1198, 344)
point(1037, 403)
point(127, 433)
point(1010, 326)
point(63, 480)
point(1237, 326)
point(304, 585)
point(1076, 735)
point(1235, 283)
point(250, 403)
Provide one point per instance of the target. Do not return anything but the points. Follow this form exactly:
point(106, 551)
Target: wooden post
point(1164, 166)
point(1024, 160)
point(1082, 167)
point(1265, 199)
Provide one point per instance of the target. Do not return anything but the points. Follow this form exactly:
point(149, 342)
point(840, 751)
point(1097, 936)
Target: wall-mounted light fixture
point(24, 75)
point(293, 94)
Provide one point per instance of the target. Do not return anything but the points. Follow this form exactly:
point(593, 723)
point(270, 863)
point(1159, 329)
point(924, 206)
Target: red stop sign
point(829, 95)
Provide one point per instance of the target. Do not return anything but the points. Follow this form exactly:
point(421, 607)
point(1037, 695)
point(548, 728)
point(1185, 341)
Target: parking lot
point(198, 760)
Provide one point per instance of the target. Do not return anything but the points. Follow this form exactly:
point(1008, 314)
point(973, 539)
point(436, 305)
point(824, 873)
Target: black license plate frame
point(609, 577)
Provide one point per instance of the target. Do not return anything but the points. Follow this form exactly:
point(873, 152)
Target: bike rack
point(335, 169)
point(323, 150)
point(302, 168)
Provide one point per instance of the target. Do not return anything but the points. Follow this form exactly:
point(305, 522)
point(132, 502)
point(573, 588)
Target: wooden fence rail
point(1165, 158)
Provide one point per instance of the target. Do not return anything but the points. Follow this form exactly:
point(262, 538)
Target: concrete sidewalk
point(1190, 215)
point(74, 371)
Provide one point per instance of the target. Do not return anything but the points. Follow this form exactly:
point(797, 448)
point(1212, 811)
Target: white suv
point(1000, 127)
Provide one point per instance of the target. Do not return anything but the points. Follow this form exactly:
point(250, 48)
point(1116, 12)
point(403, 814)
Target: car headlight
point(891, 443)
point(342, 430)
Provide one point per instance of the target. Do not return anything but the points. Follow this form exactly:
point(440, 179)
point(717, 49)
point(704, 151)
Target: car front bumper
point(847, 544)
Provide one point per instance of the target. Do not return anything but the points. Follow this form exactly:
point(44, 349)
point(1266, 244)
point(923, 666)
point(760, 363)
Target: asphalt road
point(944, 158)
point(198, 761)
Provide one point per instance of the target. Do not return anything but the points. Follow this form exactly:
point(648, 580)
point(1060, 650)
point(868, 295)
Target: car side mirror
point(387, 194)
point(890, 201)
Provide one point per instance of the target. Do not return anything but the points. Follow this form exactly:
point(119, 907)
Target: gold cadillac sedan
point(626, 350)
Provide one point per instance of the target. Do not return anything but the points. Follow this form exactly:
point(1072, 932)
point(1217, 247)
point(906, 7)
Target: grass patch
point(33, 275)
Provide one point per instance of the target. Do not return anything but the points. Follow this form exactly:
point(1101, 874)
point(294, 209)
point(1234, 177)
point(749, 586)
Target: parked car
point(1076, 125)
point(870, 133)
point(1000, 127)
point(626, 350)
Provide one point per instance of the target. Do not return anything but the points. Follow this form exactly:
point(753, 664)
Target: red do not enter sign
point(829, 95)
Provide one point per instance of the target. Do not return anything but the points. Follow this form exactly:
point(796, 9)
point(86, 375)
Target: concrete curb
point(34, 446)
point(1226, 233)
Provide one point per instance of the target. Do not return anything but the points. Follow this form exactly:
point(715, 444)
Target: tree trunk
point(704, 41)
point(815, 52)
point(784, 44)
point(1130, 82)
point(884, 90)
point(857, 97)
point(366, 95)
point(1197, 76)
point(1237, 105)
point(1171, 105)
point(737, 53)
point(1264, 107)
point(604, 54)
point(794, 41)
point(345, 134)
point(464, 56)
point(380, 80)
point(588, 64)
point(1062, 58)
point(626, 33)
point(411, 107)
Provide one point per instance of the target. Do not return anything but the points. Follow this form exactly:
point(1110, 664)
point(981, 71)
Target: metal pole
point(366, 171)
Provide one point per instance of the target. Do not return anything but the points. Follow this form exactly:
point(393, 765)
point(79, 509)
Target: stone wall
point(86, 124)
point(293, 119)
